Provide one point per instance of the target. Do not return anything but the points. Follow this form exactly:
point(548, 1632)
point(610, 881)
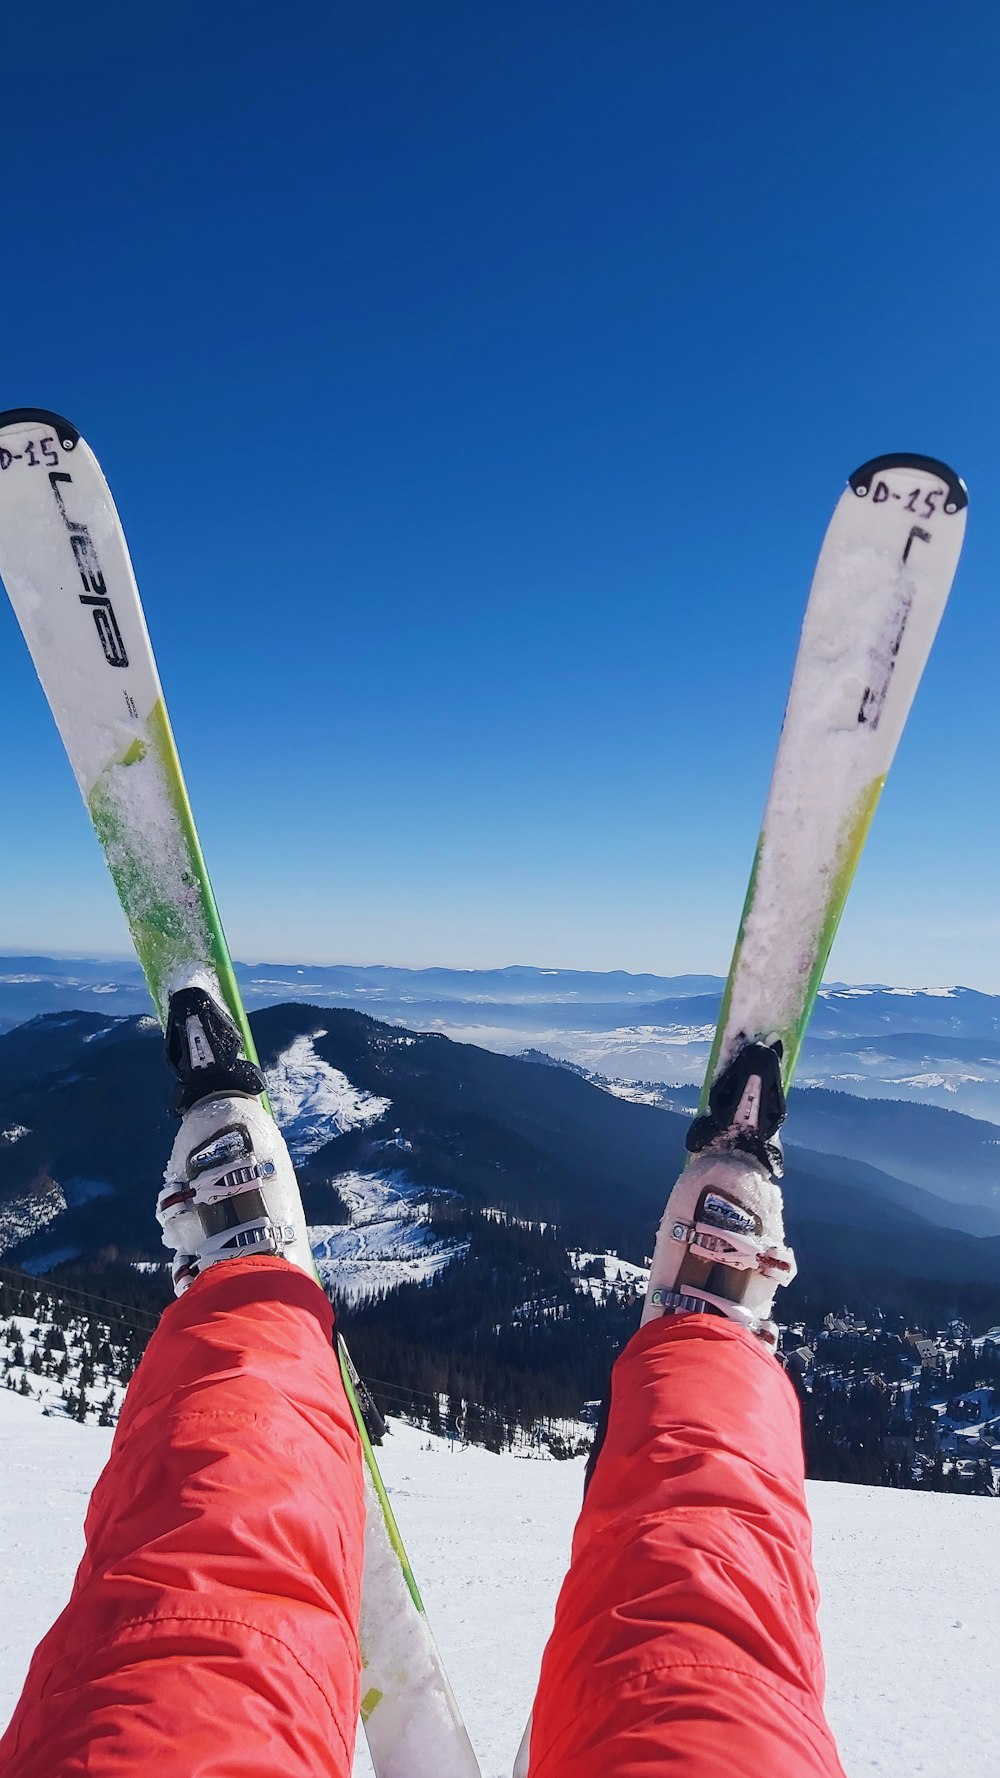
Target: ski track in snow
point(910, 1584)
point(387, 1241)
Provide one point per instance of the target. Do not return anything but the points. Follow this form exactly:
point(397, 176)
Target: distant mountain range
point(930, 1047)
point(405, 1140)
point(30, 985)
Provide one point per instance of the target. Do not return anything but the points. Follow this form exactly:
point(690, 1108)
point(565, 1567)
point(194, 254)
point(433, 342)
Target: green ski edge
point(348, 1373)
point(855, 832)
point(165, 890)
point(160, 871)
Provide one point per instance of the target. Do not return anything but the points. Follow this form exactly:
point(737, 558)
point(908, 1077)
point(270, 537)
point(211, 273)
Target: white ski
point(881, 583)
point(880, 587)
point(66, 567)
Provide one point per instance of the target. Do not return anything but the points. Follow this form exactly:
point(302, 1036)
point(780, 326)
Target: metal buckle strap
point(744, 1253)
point(676, 1299)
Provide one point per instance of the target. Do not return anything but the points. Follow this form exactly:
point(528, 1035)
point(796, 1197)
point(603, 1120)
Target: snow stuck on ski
point(66, 567)
point(878, 593)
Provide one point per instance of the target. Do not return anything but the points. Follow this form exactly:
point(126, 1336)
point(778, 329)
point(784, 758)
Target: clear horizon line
point(125, 958)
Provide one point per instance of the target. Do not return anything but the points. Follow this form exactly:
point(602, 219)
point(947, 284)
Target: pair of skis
point(878, 593)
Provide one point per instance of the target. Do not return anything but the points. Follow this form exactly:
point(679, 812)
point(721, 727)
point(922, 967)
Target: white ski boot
point(721, 1244)
point(229, 1188)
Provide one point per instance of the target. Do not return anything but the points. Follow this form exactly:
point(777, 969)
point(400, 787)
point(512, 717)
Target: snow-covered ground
point(47, 1469)
point(387, 1241)
point(23, 1344)
point(314, 1102)
point(911, 1589)
point(604, 1274)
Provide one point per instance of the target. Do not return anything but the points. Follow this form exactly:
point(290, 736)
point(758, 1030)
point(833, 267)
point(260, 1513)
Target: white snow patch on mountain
point(861, 991)
point(602, 1275)
point(515, 1222)
point(28, 1211)
point(910, 1585)
point(387, 1241)
point(635, 1091)
point(946, 1083)
point(314, 1102)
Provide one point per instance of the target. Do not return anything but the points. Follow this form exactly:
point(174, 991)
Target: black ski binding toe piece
point(746, 1107)
point(204, 1050)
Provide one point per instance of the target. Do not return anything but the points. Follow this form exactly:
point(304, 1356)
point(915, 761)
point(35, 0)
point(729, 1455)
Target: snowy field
point(911, 1589)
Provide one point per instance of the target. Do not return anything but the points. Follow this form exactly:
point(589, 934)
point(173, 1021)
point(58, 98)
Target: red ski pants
point(685, 1638)
point(212, 1628)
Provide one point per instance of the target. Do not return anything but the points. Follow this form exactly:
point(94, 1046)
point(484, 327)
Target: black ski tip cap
point(717, 1128)
point(958, 493)
point(68, 435)
point(205, 1050)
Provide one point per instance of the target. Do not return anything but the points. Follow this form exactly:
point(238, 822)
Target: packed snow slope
point(910, 1583)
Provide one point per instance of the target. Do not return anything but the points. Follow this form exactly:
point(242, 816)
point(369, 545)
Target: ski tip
point(68, 435)
point(958, 493)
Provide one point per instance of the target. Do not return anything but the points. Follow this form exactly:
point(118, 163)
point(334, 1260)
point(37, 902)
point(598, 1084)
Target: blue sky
point(475, 383)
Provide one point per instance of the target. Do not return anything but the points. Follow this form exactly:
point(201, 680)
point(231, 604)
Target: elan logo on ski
point(95, 592)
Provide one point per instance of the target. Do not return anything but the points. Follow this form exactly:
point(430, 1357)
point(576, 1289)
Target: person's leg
point(213, 1622)
point(685, 1637)
point(212, 1629)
